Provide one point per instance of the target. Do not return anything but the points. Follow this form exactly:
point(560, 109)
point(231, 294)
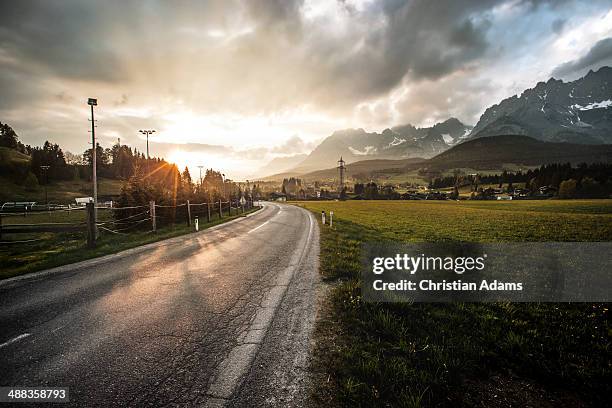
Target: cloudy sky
point(232, 84)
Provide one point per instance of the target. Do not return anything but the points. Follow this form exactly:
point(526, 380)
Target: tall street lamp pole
point(45, 169)
point(94, 102)
point(147, 132)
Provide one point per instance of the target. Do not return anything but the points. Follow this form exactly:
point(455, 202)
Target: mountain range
point(356, 145)
point(486, 153)
point(578, 112)
point(556, 111)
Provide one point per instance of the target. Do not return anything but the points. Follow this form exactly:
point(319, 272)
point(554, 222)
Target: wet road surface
point(217, 318)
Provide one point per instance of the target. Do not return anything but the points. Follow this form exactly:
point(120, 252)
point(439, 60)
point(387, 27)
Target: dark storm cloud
point(377, 48)
point(419, 39)
point(599, 54)
point(397, 60)
point(65, 38)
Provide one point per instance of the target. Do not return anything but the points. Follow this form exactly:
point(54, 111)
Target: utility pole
point(223, 179)
point(341, 169)
point(94, 102)
point(200, 167)
point(45, 169)
point(147, 132)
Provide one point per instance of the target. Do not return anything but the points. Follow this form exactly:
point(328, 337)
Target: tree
point(8, 137)
point(102, 156)
point(359, 188)
point(50, 155)
point(567, 188)
point(187, 183)
point(590, 188)
point(455, 194)
point(371, 191)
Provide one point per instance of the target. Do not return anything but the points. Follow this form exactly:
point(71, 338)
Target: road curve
point(218, 318)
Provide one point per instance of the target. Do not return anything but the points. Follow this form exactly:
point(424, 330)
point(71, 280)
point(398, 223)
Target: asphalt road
point(218, 318)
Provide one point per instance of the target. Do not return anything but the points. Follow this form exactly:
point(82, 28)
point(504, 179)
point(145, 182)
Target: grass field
point(55, 249)
point(63, 192)
point(463, 354)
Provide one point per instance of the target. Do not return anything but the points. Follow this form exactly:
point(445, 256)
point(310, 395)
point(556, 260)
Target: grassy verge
point(464, 354)
point(58, 249)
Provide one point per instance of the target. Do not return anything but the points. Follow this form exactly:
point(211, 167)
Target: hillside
point(362, 169)
point(13, 162)
point(556, 111)
point(497, 151)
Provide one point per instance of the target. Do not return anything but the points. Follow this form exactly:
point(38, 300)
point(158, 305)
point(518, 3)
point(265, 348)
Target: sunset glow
point(233, 81)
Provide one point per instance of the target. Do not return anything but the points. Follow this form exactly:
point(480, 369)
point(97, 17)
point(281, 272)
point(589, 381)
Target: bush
point(31, 182)
point(567, 189)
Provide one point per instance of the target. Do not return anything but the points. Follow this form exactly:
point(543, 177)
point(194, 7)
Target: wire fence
point(49, 222)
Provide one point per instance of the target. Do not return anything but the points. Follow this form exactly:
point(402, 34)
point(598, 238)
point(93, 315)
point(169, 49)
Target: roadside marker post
point(323, 217)
point(197, 224)
point(331, 219)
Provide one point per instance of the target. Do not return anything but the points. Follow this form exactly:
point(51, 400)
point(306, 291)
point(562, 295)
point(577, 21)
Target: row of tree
point(145, 179)
point(597, 177)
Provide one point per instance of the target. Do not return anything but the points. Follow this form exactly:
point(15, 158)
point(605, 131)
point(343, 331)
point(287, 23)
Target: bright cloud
point(262, 78)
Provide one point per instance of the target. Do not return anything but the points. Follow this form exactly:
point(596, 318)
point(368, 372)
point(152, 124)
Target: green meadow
point(38, 251)
point(462, 354)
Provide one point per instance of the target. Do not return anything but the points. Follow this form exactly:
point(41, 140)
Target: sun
point(181, 158)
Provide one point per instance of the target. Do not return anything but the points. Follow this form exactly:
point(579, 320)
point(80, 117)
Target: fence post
point(208, 208)
point(91, 225)
point(188, 213)
point(152, 212)
point(220, 209)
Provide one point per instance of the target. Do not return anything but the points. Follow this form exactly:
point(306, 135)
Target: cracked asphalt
point(218, 318)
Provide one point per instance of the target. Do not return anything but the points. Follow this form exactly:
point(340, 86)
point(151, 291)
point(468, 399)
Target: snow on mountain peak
point(594, 105)
point(448, 139)
point(365, 152)
point(396, 141)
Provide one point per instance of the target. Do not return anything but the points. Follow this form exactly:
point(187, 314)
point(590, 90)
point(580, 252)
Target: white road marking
point(21, 336)
point(235, 366)
point(256, 228)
